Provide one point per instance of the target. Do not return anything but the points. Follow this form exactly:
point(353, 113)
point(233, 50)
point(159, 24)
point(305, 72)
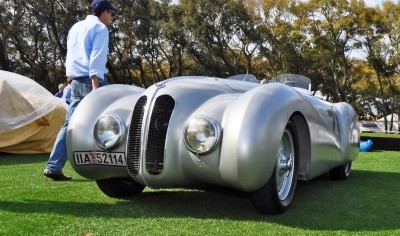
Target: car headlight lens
point(201, 134)
point(109, 130)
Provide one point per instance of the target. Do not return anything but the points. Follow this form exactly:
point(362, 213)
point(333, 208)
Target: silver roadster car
point(259, 137)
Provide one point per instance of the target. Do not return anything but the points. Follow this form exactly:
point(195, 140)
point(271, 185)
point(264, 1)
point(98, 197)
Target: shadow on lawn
point(366, 202)
point(12, 159)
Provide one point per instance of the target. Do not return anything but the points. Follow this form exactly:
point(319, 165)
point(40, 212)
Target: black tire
point(119, 187)
point(341, 172)
point(277, 194)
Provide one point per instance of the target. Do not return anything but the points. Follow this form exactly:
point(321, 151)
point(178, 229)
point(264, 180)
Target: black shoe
point(56, 176)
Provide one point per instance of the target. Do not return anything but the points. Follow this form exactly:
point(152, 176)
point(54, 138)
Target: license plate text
point(100, 158)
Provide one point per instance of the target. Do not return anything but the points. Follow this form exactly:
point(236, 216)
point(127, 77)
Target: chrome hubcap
point(347, 168)
point(285, 165)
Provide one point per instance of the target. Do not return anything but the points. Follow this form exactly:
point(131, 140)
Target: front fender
point(253, 125)
point(117, 99)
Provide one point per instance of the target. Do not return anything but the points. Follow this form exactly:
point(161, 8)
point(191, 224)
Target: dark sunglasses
point(112, 13)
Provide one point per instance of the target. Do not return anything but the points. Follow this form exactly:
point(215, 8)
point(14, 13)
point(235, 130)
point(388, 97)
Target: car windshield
point(245, 77)
point(293, 80)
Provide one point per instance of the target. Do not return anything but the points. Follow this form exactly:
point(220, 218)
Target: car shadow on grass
point(368, 201)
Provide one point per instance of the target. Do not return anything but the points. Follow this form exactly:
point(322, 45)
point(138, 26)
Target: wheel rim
point(285, 165)
point(347, 168)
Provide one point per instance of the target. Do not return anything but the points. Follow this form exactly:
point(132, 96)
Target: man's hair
point(97, 11)
point(99, 6)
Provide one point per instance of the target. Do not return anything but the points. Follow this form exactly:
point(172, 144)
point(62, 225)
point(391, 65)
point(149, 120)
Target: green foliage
point(152, 40)
point(365, 204)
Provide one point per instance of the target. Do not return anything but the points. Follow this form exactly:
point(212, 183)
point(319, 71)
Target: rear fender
point(349, 131)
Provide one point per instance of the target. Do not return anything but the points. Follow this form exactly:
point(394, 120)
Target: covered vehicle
point(30, 115)
point(238, 132)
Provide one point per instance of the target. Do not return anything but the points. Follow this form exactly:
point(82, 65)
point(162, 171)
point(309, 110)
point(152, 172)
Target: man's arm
point(95, 82)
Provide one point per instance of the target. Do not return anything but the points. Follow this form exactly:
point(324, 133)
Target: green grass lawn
point(379, 135)
point(368, 203)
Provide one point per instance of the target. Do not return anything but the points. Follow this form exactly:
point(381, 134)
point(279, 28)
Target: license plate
point(100, 158)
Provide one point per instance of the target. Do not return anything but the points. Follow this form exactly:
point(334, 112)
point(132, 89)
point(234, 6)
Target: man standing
point(87, 50)
point(60, 92)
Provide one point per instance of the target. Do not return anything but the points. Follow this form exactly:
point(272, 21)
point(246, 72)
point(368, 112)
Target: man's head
point(103, 9)
point(61, 87)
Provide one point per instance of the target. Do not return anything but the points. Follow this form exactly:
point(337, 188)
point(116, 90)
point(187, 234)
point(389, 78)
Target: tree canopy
point(351, 52)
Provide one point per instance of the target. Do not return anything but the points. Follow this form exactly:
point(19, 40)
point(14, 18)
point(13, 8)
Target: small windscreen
point(293, 80)
point(245, 77)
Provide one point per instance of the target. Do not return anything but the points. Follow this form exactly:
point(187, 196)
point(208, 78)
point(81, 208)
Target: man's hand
point(95, 82)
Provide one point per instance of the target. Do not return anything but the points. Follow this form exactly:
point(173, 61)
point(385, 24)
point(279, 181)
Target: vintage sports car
point(254, 136)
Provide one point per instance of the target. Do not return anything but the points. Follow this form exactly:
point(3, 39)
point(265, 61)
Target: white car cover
point(30, 115)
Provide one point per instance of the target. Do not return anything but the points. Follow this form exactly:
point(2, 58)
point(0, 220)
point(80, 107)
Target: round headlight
point(109, 131)
point(201, 134)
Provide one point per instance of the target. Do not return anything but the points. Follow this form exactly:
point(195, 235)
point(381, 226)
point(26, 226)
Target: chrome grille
point(160, 117)
point(133, 150)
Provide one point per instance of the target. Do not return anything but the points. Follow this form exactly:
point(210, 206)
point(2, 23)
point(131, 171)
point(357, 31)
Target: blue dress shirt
point(87, 46)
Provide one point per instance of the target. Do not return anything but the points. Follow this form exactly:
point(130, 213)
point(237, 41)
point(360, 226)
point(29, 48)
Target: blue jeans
point(80, 87)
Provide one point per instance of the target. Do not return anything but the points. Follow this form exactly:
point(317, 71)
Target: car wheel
point(119, 187)
point(341, 172)
point(276, 196)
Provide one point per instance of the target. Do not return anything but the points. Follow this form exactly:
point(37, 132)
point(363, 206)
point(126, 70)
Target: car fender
point(253, 125)
point(120, 99)
point(350, 135)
